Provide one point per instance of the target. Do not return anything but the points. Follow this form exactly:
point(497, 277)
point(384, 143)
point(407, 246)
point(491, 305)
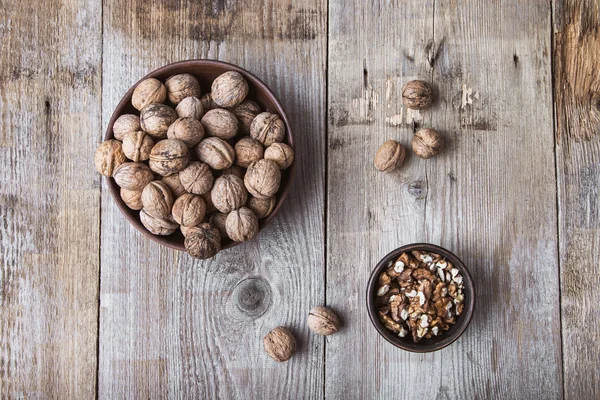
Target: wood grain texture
point(50, 74)
point(490, 197)
point(577, 95)
point(177, 327)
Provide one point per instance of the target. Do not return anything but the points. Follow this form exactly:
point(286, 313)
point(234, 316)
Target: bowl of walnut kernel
point(198, 155)
point(420, 297)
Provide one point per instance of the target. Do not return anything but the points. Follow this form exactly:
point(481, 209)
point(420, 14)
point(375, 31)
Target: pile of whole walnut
point(420, 293)
point(209, 165)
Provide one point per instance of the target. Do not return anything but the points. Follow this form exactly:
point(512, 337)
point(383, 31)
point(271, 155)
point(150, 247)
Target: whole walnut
point(207, 102)
point(147, 92)
point(215, 152)
point(174, 185)
point(427, 143)
point(218, 221)
point(155, 119)
point(188, 230)
point(190, 131)
point(109, 155)
point(323, 321)
point(417, 95)
point(190, 107)
point(241, 224)
point(210, 207)
point(267, 128)
point(262, 178)
point(137, 146)
point(229, 89)
point(133, 176)
point(245, 112)
point(233, 170)
point(133, 198)
point(204, 242)
point(181, 86)
point(157, 200)
point(228, 193)
point(262, 208)
point(247, 150)
point(168, 157)
point(196, 178)
point(280, 344)
point(281, 154)
point(157, 226)
point(125, 124)
point(189, 210)
point(220, 123)
point(390, 156)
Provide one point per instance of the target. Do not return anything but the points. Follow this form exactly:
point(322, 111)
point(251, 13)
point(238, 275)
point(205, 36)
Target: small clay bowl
point(436, 342)
point(205, 71)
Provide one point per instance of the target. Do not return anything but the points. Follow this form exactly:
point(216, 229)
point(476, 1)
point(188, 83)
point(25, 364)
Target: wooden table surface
point(90, 307)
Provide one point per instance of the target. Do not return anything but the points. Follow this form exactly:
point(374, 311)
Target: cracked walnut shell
point(189, 210)
point(148, 91)
point(181, 86)
point(215, 152)
point(267, 128)
point(417, 95)
point(229, 89)
point(196, 178)
point(427, 143)
point(323, 321)
point(137, 146)
point(390, 156)
point(280, 344)
point(281, 154)
point(203, 241)
point(108, 157)
point(133, 176)
point(220, 123)
point(247, 150)
point(189, 130)
point(155, 119)
point(168, 157)
point(262, 178)
point(157, 199)
point(228, 193)
point(241, 225)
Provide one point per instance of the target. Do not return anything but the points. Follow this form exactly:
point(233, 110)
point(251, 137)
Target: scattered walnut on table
point(419, 293)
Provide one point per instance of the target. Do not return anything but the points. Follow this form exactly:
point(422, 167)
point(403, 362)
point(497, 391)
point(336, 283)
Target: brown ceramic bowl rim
point(253, 81)
point(456, 329)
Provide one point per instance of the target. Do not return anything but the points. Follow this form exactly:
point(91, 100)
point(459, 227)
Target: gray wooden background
point(91, 308)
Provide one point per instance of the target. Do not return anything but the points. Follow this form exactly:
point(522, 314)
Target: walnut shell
point(241, 225)
point(181, 86)
point(248, 150)
point(174, 185)
point(148, 91)
point(208, 103)
point(233, 170)
point(133, 198)
point(155, 119)
point(210, 207)
point(220, 123)
point(390, 156)
point(190, 131)
point(245, 112)
point(203, 242)
point(229, 89)
point(109, 155)
point(157, 226)
point(417, 95)
point(427, 143)
point(218, 221)
point(125, 124)
point(280, 344)
point(281, 154)
point(215, 152)
point(133, 176)
point(323, 321)
point(137, 146)
point(188, 230)
point(262, 178)
point(189, 210)
point(168, 157)
point(228, 193)
point(262, 208)
point(196, 178)
point(267, 128)
point(157, 200)
point(190, 107)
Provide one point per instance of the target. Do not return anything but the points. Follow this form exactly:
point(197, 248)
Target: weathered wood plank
point(577, 95)
point(50, 74)
point(490, 197)
point(174, 326)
